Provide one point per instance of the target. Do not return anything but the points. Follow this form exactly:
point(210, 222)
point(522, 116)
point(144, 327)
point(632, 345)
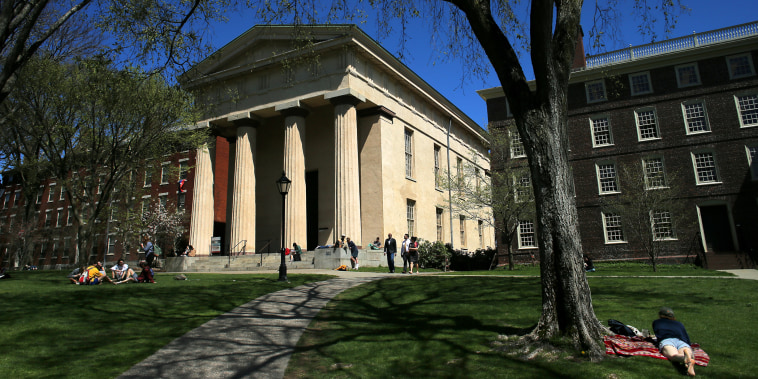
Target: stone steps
point(317, 259)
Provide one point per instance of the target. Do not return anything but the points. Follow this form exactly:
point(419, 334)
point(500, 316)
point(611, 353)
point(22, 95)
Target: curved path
point(254, 340)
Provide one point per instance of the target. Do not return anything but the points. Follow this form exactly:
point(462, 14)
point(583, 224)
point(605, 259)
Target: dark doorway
point(311, 209)
point(219, 230)
point(716, 228)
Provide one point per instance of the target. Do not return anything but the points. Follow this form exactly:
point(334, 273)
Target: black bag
point(618, 327)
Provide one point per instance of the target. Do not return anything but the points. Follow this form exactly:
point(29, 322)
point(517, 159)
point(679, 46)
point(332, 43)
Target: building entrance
point(717, 228)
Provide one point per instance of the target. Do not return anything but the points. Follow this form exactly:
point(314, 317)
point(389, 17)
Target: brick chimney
point(580, 60)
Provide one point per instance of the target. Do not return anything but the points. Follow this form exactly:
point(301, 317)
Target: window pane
point(694, 115)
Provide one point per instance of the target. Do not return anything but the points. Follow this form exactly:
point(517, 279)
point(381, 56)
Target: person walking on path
point(413, 254)
point(390, 249)
point(404, 252)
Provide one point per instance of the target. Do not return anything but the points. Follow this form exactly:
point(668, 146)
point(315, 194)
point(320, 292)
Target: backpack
point(618, 327)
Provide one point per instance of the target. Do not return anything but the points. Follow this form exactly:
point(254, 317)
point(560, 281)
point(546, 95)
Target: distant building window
point(148, 177)
point(462, 226)
point(614, 233)
point(59, 219)
point(662, 226)
point(7, 200)
point(163, 201)
point(51, 194)
point(517, 147)
point(437, 173)
point(595, 91)
point(48, 218)
point(183, 169)
point(640, 83)
point(145, 205)
point(740, 66)
point(408, 154)
point(655, 176)
point(705, 168)
point(480, 228)
point(751, 161)
point(440, 231)
point(165, 169)
point(410, 216)
point(687, 75)
point(69, 217)
point(523, 186)
point(62, 193)
point(695, 117)
point(181, 199)
point(606, 178)
point(747, 106)
point(601, 131)
point(647, 126)
point(39, 195)
point(17, 198)
point(526, 238)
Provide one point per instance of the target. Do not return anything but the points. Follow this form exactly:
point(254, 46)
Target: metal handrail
point(671, 45)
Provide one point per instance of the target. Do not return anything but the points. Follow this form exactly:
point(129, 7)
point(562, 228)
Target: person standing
point(390, 249)
point(404, 252)
point(149, 250)
point(413, 254)
point(353, 253)
point(673, 340)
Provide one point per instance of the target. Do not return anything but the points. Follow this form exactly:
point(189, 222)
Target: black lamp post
point(283, 184)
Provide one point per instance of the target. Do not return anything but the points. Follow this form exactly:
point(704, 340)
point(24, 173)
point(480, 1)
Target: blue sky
point(446, 77)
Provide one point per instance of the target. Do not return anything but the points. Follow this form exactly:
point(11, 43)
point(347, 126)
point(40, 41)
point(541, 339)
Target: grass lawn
point(51, 329)
point(448, 327)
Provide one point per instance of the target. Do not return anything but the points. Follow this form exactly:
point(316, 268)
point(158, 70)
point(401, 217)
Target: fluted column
point(294, 168)
point(201, 224)
point(347, 180)
point(243, 192)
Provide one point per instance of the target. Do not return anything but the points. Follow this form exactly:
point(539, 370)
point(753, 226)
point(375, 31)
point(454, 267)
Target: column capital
point(374, 111)
point(293, 108)
point(244, 119)
point(345, 96)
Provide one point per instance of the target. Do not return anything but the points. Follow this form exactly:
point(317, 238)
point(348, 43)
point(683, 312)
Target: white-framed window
point(39, 194)
point(595, 91)
point(459, 171)
point(740, 66)
point(63, 193)
point(181, 201)
point(704, 163)
point(606, 178)
point(163, 201)
point(51, 194)
point(165, 170)
point(523, 187)
point(439, 220)
point(17, 198)
point(145, 203)
point(408, 153)
point(601, 131)
point(647, 124)
point(462, 226)
point(55, 250)
point(640, 83)
point(695, 117)
point(612, 228)
point(48, 218)
point(183, 168)
point(69, 217)
point(148, 177)
point(410, 216)
point(7, 200)
point(655, 174)
point(747, 107)
point(517, 147)
point(687, 75)
point(663, 228)
point(59, 219)
point(752, 151)
point(437, 159)
point(526, 236)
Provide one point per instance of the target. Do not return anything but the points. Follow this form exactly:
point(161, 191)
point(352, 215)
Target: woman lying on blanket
point(673, 339)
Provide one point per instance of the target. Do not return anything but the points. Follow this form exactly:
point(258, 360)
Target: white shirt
point(406, 245)
point(120, 268)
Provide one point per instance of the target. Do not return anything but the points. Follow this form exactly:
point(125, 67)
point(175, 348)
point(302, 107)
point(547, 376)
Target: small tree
point(501, 199)
point(649, 206)
point(163, 226)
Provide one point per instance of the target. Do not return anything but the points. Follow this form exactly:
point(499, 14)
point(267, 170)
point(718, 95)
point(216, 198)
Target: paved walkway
point(257, 339)
point(254, 340)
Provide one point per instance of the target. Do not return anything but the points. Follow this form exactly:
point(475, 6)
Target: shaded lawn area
point(608, 269)
point(51, 329)
point(448, 327)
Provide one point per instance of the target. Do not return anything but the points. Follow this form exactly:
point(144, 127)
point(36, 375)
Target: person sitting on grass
point(146, 276)
point(588, 265)
point(121, 271)
point(95, 275)
point(75, 276)
point(673, 340)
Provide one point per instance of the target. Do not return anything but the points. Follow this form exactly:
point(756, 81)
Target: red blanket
point(628, 346)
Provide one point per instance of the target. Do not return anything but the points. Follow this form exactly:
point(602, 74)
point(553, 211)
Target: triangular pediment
point(264, 45)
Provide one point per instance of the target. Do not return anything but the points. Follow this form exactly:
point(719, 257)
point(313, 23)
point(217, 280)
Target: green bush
point(466, 261)
point(434, 255)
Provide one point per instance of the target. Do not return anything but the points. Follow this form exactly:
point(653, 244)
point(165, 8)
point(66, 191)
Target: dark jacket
point(390, 246)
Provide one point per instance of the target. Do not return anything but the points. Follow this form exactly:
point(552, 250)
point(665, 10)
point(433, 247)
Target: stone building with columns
point(362, 138)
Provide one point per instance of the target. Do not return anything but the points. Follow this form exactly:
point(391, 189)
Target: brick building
point(683, 113)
